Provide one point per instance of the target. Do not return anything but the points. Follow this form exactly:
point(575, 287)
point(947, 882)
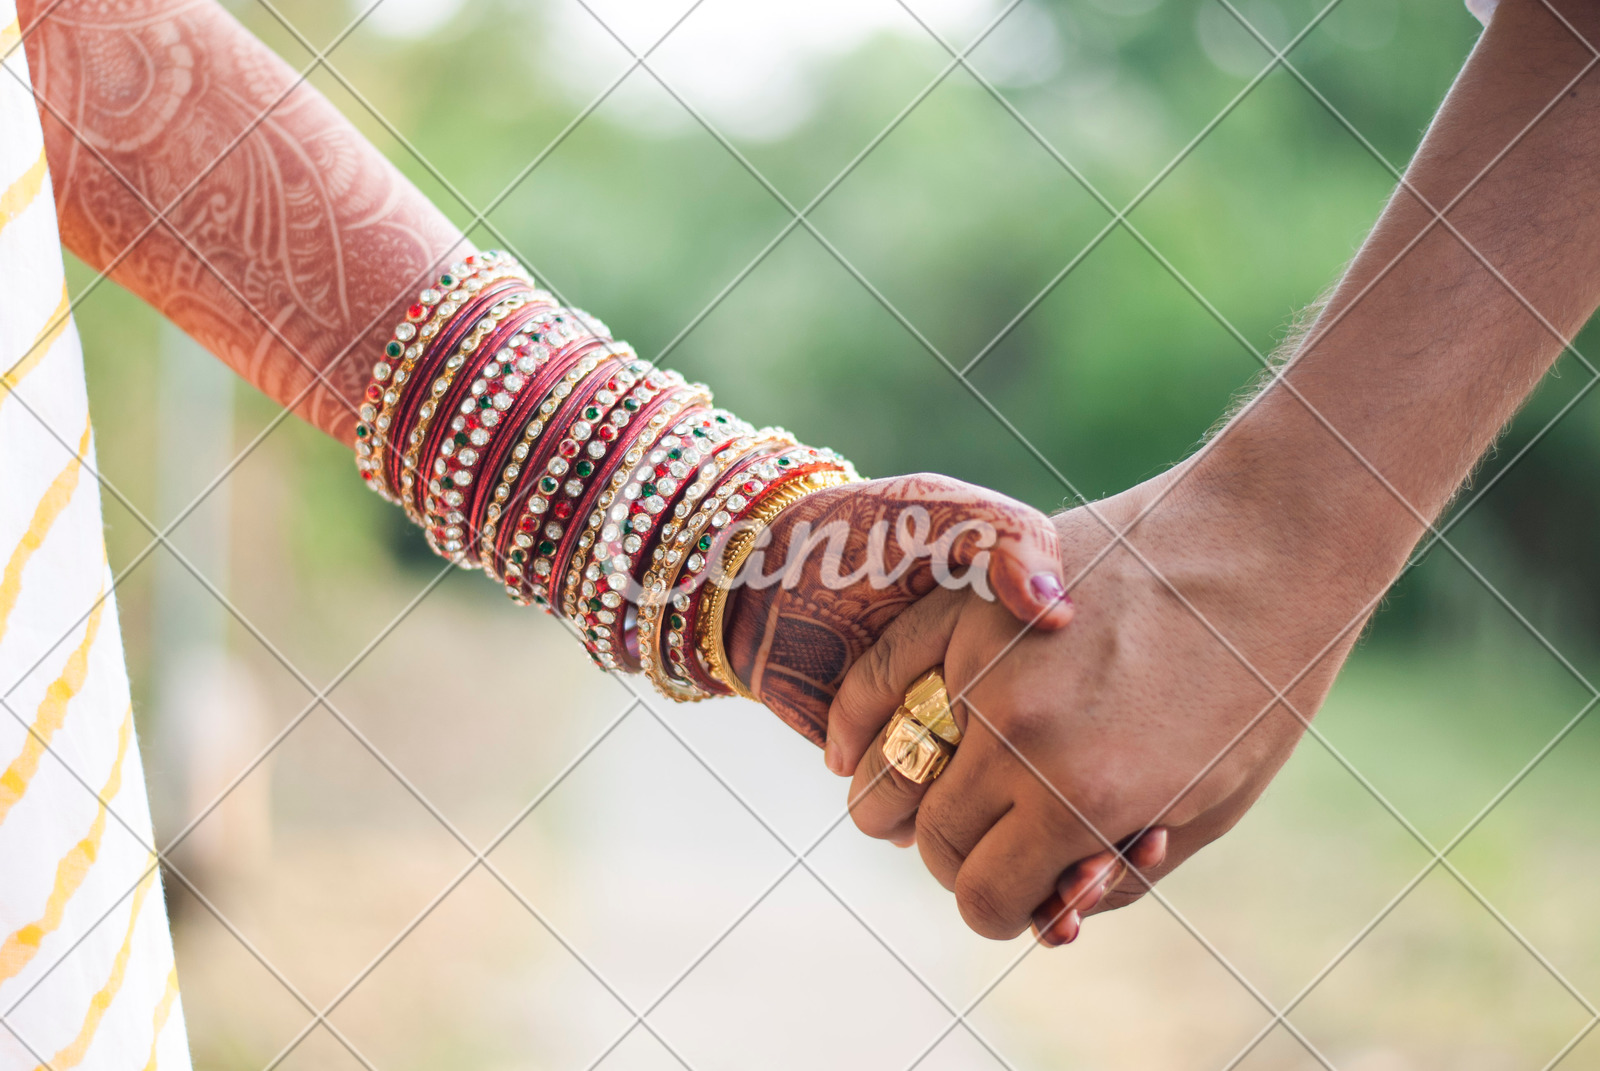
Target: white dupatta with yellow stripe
point(86, 971)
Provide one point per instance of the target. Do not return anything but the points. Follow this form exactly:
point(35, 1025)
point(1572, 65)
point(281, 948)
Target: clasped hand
point(1105, 738)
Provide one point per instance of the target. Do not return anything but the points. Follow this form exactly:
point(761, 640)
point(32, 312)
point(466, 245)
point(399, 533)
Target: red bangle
point(449, 382)
point(405, 348)
point(524, 547)
point(660, 394)
point(640, 505)
point(511, 452)
point(630, 446)
point(487, 409)
point(437, 340)
point(564, 515)
point(668, 553)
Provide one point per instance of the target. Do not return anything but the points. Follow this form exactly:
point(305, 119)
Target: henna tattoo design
point(792, 644)
point(298, 243)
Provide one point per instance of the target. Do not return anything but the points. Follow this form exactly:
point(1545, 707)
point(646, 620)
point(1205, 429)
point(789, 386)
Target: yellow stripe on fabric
point(163, 1010)
point(51, 713)
point(23, 945)
point(9, 37)
point(72, 1054)
point(52, 329)
point(55, 500)
point(20, 194)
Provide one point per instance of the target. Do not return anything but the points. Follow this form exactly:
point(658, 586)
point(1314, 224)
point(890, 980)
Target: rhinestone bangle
point(439, 397)
point(439, 351)
point(679, 449)
point(447, 491)
point(646, 424)
point(405, 348)
point(674, 397)
point(474, 432)
point(513, 463)
point(542, 478)
point(675, 402)
point(435, 342)
point(631, 526)
point(677, 550)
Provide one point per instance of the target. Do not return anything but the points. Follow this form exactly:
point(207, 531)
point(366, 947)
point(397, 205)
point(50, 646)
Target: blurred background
point(355, 829)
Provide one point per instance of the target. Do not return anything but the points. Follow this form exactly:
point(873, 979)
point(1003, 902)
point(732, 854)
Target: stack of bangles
point(529, 444)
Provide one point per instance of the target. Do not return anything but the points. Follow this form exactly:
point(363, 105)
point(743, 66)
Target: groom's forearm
point(1423, 351)
point(289, 244)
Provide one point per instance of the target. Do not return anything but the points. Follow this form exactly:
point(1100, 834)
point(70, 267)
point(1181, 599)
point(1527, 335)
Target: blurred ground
point(640, 859)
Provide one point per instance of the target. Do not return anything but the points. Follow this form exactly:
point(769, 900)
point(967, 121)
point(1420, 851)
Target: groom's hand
point(1161, 703)
point(1147, 712)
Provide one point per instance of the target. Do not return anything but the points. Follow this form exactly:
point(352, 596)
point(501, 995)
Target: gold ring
point(923, 734)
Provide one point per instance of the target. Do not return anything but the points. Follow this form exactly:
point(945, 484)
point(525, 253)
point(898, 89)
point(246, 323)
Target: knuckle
point(878, 671)
point(1043, 536)
point(870, 819)
point(1022, 724)
point(1186, 812)
point(983, 908)
point(1070, 810)
point(882, 811)
point(931, 482)
point(1060, 824)
point(941, 856)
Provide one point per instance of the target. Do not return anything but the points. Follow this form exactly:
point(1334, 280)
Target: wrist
point(1315, 516)
point(1276, 535)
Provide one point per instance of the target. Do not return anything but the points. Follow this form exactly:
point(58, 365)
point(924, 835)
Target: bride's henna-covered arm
point(289, 246)
point(289, 243)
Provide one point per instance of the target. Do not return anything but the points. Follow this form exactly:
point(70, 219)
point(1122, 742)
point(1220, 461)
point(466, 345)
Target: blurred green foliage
point(960, 219)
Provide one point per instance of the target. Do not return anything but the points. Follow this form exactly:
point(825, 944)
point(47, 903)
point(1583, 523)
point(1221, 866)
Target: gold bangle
point(708, 633)
point(704, 500)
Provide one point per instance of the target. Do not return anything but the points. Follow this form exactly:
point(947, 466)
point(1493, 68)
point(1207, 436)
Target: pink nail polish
point(1047, 589)
point(1069, 926)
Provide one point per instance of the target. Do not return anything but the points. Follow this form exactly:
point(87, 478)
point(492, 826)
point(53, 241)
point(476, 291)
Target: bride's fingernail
point(1069, 926)
point(1047, 589)
point(832, 757)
